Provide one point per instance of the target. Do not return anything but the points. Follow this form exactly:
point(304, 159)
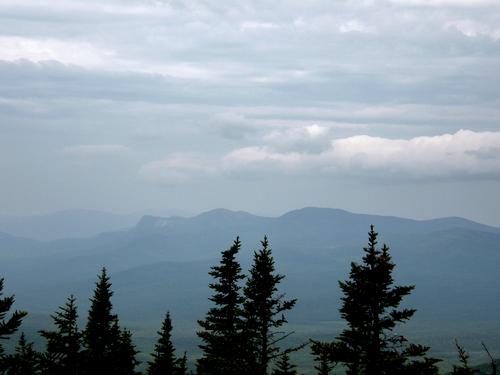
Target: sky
point(375, 106)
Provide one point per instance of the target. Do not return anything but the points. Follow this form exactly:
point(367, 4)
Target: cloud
point(435, 3)
point(472, 29)
point(256, 26)
point(95, 150)
point(462, 155)
point(179, 168)
point(353, 26)
point(308, 137)
point(14, 48)
point(443, 156)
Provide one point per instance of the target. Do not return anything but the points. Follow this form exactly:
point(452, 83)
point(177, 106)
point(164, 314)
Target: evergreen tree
point(123, 353)
point(264, 310)
point(322, 358)
point(25, 360)
point(7, 326)
point(62, 356)
point(107, 349)
point(370, 307)
point(182, 365)
point(164, 361)
point(221, 329)
point(11, 325)
point(284, 366)
point(463, 368)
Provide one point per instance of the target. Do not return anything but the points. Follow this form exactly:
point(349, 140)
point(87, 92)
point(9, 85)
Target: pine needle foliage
point(221, 329)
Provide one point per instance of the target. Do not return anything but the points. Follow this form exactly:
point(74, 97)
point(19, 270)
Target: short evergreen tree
point(25, 360)
point(463, 368)
point(62, 356)
point(221, 328)
point(284, 366)
point(107, 349)
point(123, 354)
point(370, 307)
point(263, 311)
point(164, 361)
point(182, 365)
point(321, 354)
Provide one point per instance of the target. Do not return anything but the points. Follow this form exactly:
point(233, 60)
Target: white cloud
point(255, 26)
point(450, 155)
point(464, 154)
point(95, 150)
point(471, 28)
point(462, 3)
point(14, 48)
point(308, 137)
point(353, 26)
point(178, 168)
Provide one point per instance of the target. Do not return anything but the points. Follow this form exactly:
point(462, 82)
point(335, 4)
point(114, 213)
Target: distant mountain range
point(162, 263)
point(68, 224)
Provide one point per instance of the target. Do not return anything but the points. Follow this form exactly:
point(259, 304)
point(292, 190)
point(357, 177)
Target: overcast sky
point(377, 106)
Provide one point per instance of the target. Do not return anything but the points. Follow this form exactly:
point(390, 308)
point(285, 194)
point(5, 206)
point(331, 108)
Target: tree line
point(243, 331)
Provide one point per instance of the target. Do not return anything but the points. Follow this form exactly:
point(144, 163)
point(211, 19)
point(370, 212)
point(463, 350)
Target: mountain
point(65, 224)
point(162, 263)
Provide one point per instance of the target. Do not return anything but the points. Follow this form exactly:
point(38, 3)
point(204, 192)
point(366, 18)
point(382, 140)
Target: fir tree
point(463, 368)
point(11, 325)
point(284, 366)
point(221, 328)
point(107, 349)
point(123, 354)
point(370, 307)
point(264, 310)
point(182, 365)
point(25, 360)
point(62, 356)
point(321, 351)
point(7, 326)
point(164, 361)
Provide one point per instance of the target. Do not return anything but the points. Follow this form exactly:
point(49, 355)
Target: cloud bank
point(462, 155)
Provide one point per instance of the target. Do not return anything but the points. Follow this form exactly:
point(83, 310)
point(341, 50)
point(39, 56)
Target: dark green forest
point(244, 332)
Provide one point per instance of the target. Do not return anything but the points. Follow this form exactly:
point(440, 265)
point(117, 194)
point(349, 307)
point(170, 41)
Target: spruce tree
point(463, 368)
point(221, 328)
point(182, 365)
point(370, 306)
point(164, 361)
point(107, 349)
point(284, 366)
point(11, 325)
point(25, 360)
point(62, 356)
point(321, 351)
point(264, 309)
point(123, 353)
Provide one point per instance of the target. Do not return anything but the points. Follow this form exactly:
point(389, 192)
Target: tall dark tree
point(284, 366)
point(222, 326)
point(264, 311)
point(10, 325)
point(370, 306)
point(107, 349)
point(62, 356)
point(25, 360)
point(164, 361)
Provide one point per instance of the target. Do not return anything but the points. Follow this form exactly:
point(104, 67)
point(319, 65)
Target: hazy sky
point(389, 106)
